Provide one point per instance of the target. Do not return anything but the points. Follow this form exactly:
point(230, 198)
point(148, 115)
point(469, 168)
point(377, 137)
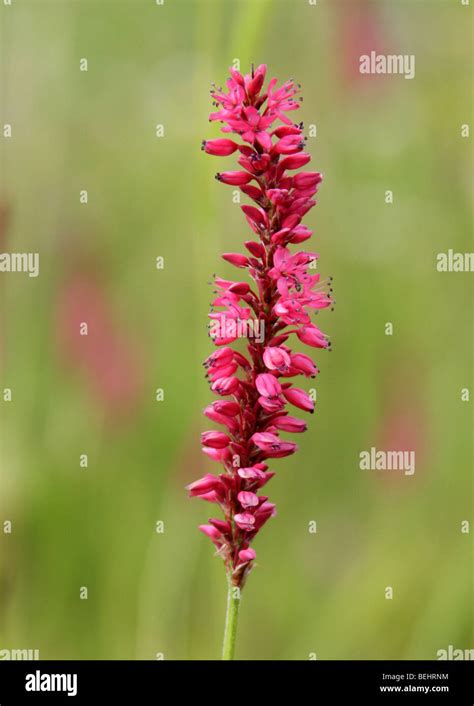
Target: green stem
point(231, 618)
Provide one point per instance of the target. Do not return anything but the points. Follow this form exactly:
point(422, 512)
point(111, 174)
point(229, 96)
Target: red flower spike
point(287, 291)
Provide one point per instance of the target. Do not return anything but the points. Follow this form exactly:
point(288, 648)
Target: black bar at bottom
point(83, 682)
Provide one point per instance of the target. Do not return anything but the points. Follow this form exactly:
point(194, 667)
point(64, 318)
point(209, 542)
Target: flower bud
point(299, 398)
point(220, 147)
point(234, 178)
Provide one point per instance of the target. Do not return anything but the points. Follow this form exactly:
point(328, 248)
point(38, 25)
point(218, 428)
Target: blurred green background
point(149, 196)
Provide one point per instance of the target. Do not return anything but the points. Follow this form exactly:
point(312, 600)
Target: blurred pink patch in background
point(404, 423)
point(4, 223)
point(108, 356)
point(360, 30)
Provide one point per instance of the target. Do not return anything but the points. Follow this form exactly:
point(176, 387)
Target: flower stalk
point(231, 620)
point(254, 387)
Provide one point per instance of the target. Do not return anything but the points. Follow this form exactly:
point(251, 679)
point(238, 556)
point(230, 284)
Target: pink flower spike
point(274, 297)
